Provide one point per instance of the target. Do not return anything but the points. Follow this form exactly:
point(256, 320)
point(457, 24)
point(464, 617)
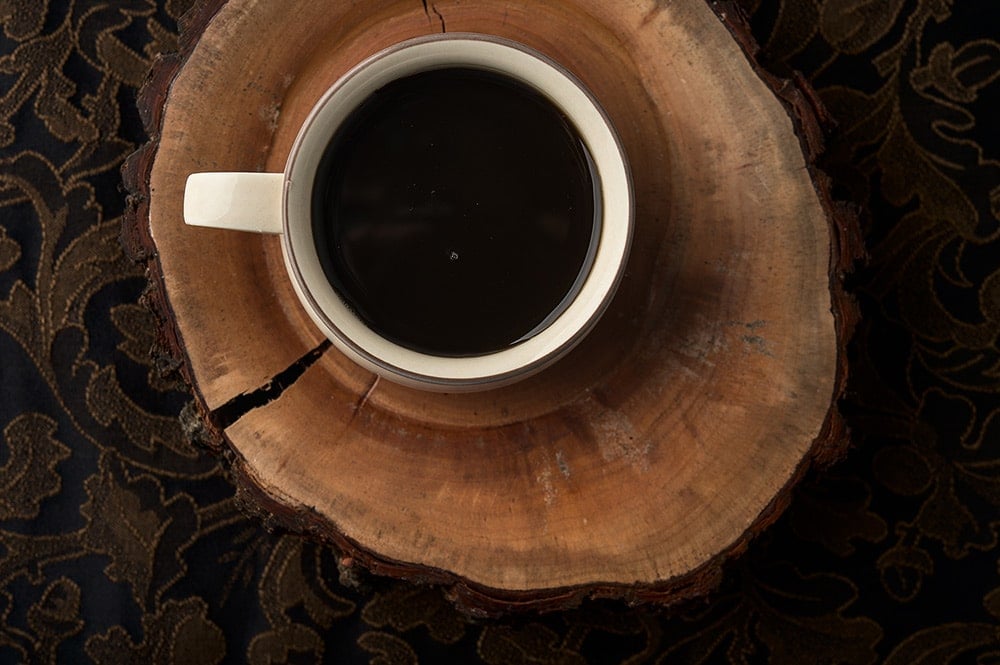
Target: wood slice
point(633, 468)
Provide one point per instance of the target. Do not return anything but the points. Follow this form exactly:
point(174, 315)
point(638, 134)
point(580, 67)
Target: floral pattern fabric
point(120, 541)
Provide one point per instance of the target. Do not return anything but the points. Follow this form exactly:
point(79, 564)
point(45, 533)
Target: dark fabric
point(119, 542)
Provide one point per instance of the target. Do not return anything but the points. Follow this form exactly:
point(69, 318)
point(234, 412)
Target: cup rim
point(456, 373)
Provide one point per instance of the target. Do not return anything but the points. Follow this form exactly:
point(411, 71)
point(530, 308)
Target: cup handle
point(238, 201)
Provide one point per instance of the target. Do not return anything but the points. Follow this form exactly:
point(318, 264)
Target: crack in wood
point(440, 18)
point(431, 8)
point(240, 405)
point(363, 399)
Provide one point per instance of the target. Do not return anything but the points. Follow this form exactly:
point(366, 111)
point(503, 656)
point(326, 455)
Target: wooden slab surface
point(635, 466)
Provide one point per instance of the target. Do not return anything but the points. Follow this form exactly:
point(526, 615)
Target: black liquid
point(456, 211)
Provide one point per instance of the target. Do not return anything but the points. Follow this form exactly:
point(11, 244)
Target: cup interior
point(326, 307)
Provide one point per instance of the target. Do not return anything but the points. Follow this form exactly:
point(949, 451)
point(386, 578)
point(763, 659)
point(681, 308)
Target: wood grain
point(634, 467)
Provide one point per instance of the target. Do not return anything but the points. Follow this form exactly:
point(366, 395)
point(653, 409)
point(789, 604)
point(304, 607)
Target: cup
point(484, 278)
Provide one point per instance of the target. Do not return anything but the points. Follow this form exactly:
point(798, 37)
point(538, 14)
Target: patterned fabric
point(120, 542)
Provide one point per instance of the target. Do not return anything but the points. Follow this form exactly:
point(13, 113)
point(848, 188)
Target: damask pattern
point(120, 541)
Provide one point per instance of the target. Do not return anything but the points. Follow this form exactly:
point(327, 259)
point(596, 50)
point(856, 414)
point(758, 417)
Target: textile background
point(120, 542)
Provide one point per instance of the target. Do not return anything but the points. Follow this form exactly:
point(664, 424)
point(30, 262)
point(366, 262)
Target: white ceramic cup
point(280, 203)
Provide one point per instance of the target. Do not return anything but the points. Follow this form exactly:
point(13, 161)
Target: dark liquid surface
point(455, 212)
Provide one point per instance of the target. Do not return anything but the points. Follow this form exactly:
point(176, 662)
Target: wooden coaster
point(634, 467)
